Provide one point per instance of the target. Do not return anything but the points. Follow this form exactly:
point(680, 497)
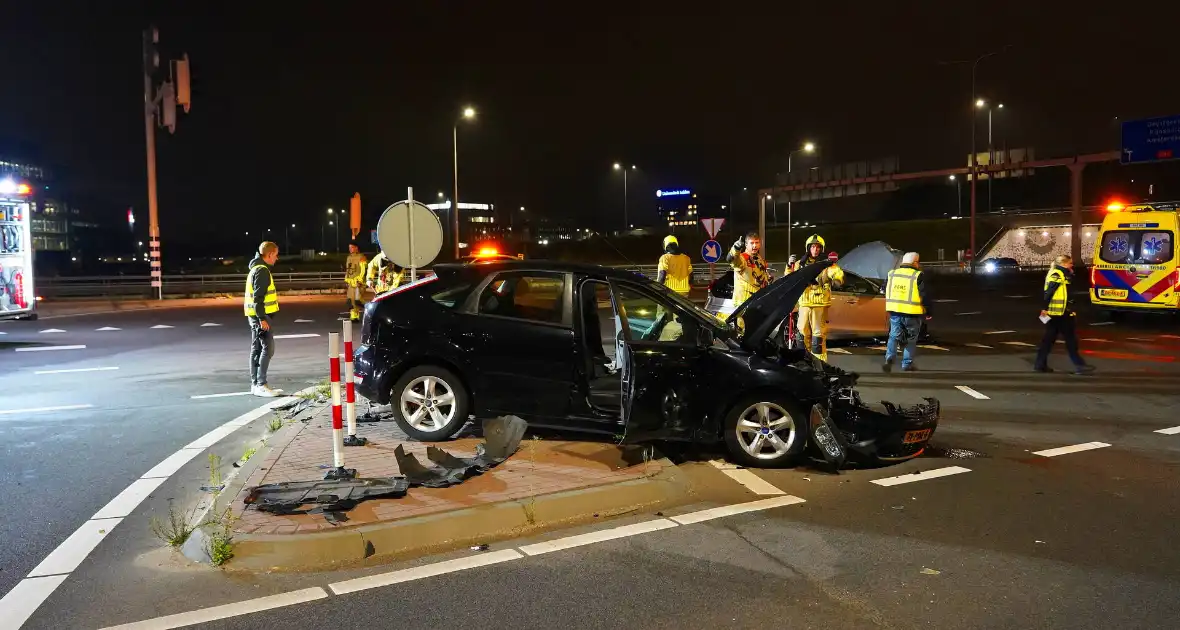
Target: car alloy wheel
point(428, 403)
point(766, 431)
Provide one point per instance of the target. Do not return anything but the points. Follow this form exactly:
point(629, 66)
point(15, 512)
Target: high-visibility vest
point(901, 292)
point(271, 303)
point(678, 270)
point(1060, 296)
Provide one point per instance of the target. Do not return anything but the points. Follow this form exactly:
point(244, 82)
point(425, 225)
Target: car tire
point(740, 442)
point(444, 403)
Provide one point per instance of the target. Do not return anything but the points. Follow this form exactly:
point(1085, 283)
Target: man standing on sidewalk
point(1059, 317)
point(907, 305)
point(261, 302)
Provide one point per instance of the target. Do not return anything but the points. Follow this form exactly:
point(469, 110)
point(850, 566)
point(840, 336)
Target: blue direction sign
point(1151, 140)
point(711, 251)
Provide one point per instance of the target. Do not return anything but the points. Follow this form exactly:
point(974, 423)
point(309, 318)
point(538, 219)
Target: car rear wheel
point(429, 403)
point(766, 431)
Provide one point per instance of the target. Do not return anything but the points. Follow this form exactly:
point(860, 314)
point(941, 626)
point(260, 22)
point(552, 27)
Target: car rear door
point(858, 309)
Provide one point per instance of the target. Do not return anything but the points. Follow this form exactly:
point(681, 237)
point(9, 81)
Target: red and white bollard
point(338, 471)
point(350, 391)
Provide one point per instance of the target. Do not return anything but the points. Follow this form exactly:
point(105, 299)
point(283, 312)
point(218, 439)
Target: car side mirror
point(704, 337)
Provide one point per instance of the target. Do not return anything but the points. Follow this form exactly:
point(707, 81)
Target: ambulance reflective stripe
point(271, 303)
point(1143, 290)
point(901, 292)
point(1060, 295)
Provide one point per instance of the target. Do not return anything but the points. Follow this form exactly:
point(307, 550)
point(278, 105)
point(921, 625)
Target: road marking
point(1096, 340)
point(838, 351)
point(172, 463)
point(747, 478)
point(43, 409)
point(1169, 336)
point(971, 313)
point(304, 321)
point(126, 501)
point(207, 324)
point(73, 550)
point(1066, 450)
point(1168, 431)
point(297, 336)
point(978, 345)
point(999, 332)
point(72, 370)
point(971, 392)
point(740, 508)
point(50, 348)
point(161, 326)
point(1018, 343)
point(1016, 297)
point(934, 348)
point(202, 396)
point(601, 535)
point(921, 476)
point(106, 328)
point(945, 301)
point(1102, 324)
point(425, 571)
point(1139, 339)
point(52, 330)
point(881, 348)
point(207, 615)
point(22, 601)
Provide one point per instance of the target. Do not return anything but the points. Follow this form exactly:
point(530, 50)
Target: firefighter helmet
point(815, 238)
point(670, 240)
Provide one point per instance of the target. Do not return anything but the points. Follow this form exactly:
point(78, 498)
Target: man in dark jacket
point(1059, 317)
point(261, 303)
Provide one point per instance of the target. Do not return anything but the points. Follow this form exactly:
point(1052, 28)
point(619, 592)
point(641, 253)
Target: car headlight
point(990, 267)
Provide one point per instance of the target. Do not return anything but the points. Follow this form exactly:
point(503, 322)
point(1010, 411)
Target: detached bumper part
point(288, 497)
point(501, 439)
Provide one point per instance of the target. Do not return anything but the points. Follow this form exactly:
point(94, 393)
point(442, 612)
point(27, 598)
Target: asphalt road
point(1077, 540)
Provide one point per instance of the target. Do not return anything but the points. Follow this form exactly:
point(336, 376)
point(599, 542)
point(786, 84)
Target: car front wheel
point(429, 403)
point(766, 431)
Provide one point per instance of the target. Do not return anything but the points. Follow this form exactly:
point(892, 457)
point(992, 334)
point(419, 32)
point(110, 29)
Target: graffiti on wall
point(1038, 245)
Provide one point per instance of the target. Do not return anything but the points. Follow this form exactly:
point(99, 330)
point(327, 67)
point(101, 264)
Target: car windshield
point(1144, 247)
point(691, 306)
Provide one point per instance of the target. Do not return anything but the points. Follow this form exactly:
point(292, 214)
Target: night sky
point(296, 108)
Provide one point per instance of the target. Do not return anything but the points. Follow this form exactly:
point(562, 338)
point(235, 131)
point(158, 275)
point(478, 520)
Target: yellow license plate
point(1112, 294)
point(912, 437)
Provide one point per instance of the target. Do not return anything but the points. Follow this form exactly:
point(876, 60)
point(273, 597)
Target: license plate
point(912, 437)
point(1112, 294)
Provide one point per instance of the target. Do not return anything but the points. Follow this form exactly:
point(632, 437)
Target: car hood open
point(763, 312)
point(872, 260)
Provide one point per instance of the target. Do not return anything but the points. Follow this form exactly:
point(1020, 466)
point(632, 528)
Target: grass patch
point(249, 453)
point(276, 423)
point(221, 540)
point(215, 473)
point(176, 530)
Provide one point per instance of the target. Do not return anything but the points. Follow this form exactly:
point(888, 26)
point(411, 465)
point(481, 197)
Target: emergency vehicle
point(1135, 266)
point(17, 299)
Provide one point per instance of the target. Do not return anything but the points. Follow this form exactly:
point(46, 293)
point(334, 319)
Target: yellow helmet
point(815, 238)
point(670, 240)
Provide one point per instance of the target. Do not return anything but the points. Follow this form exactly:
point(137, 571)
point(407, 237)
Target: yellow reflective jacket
point(355, 267)
point(678, 271)
point(820, 293)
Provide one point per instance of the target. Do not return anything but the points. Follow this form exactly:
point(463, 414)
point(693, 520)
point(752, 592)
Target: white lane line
point(978, 345)
point(881, 348)
point(945, 301)
point(22, 601)
point(1097, 340)
point(52, 330)
point(72, 370)
point(1102, 324)
point(304, 321)
point(971, 392)
point(203, 396)
point(297, 336)
point(127, 500)
point(745, 477)
point(4, 412)
point(162, 326)
point(999, 332)
point(1140, 339)
point(933, 348)
point(207, 615)
point(1066, 450)
point(208, 324)
point(425, 571)
point(172, 463)
point(838, 351)
point(1018, 343)
point(50, 348)
point(740, 508)
point(106, 328)
point(601, 535)
point(73, 550)
point(1016, 297)
point(971, 313)
point(1168, 431)
point(1169, 336)
point(921, 476)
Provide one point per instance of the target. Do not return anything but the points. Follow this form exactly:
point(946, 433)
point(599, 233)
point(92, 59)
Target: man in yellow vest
point(817, 298)
point(355, 267)
point(750, 272)
point(907, 304)
point(1059, 317)
point(261, 302)
point(675, 268)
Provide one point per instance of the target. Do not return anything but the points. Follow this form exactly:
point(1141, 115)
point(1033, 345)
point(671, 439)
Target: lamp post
point(808, 147)
point(958, 194)
point(287, 237)
point(468, 114)
point(619, 167)
point(991, 154)
point(336, 240)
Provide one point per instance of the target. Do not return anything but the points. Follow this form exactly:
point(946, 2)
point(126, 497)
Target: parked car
point(858, 307)
point(996, 266)
point(608, 351)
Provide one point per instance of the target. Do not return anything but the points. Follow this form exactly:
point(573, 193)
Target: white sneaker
point(264, 391)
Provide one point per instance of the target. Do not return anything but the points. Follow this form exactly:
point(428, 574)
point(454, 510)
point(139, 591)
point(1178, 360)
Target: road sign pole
point(410, 234)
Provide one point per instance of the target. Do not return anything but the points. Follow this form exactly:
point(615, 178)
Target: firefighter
point(907, 303)
point(750, 272)
point(261, 302)
point(1060, 319)
point(675, 268)
point(382, 274)
point(817, 298)
point(355, 267)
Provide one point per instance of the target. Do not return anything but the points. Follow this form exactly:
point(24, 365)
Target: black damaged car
point(608, 351)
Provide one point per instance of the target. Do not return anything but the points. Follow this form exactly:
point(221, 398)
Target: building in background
point(61, 234)
point(682, 207)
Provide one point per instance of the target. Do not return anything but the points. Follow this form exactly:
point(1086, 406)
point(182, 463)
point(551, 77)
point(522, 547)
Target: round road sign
point(406, 224)
point(711, 251)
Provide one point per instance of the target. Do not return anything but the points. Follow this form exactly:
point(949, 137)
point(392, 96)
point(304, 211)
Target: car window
point(858, 285)
point(448, 297)
point(532, 296)
point(649, 318)
point(1146, 247)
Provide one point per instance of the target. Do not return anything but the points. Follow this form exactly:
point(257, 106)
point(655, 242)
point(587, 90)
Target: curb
point(433, 533)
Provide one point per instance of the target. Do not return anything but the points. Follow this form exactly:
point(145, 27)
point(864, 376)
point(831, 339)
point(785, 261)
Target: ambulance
point(17, 300)
point(1135, 266)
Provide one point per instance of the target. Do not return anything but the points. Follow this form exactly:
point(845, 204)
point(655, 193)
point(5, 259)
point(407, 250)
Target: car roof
point(538, 265)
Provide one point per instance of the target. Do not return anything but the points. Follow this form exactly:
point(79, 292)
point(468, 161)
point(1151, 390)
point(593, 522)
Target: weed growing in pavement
point(276, 423)
point(249, 453)
point(176, 530)
point(221, 540)
point(530, 511)
point(215, 473)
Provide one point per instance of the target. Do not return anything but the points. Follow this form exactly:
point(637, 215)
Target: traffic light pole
point(149, 123)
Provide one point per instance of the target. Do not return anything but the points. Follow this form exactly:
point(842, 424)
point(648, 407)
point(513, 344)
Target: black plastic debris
point(502, 436)
point(501, 439)
point(420, 476)
point(355, 440)
point(484, 547)
point(291, 497)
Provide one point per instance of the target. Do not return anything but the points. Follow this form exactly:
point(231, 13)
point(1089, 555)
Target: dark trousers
point(262, 348)
point(1064, 326)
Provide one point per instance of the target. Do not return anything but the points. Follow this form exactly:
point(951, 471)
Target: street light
point(619, 167)
point(808, 147)
point(468, 114)
point(440, 194)
point(287, 236)
point(958, 193)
